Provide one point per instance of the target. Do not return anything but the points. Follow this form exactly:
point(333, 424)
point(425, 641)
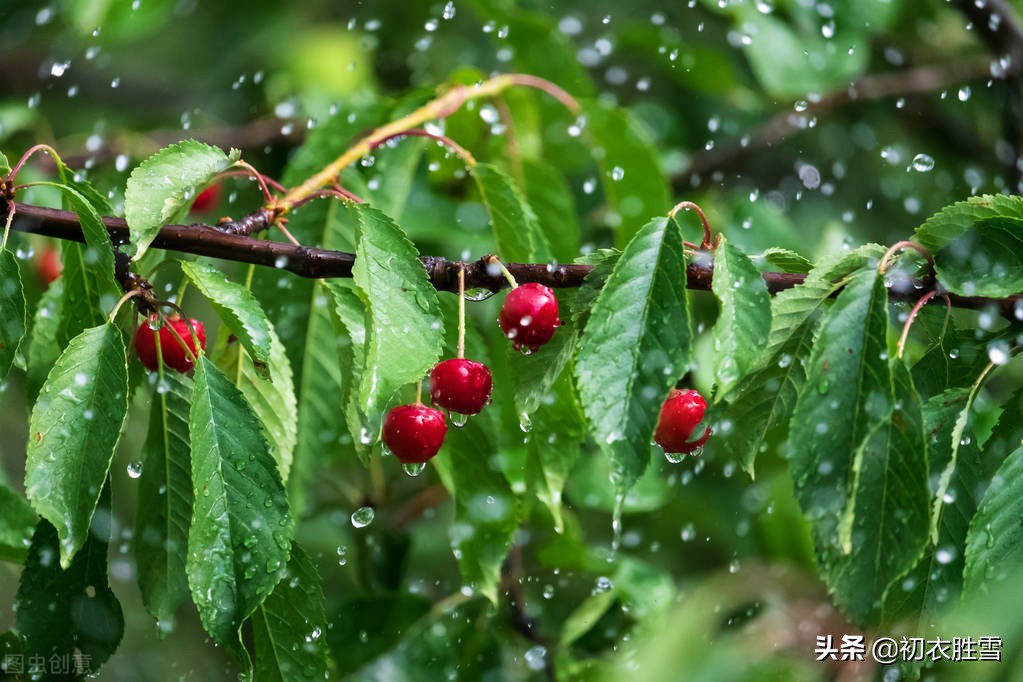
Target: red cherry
point(529, 316)
point(49, 266)
point(414, 433)
point(680, 414)
point(207, 199)
point(173, 354)
point(460, 385)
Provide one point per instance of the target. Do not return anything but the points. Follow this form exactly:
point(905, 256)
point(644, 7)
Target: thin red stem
point(885, 263)
point(708, 238)
point(25, 157)
point(458, 149)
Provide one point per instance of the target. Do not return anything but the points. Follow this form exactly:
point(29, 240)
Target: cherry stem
point(446, 141)
point(249, 172)
point(336, 192)
point(419, 393)
point(124, 299)
point(25, 157)
point(888, 256)
point(281, 226)
point(708, 238)
point(177, 336)
point(912, 316)
point(7, 225)
point(504, 271)
point(259, 178)
point(551, 89)
point(461, 312)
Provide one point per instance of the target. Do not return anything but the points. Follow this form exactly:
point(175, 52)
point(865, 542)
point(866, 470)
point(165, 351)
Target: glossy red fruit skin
point(173, 354)
point(461, 385)
point(680, 415)
point(49, 266)
point(414, 433)
point(207, 199)
point(529, 316)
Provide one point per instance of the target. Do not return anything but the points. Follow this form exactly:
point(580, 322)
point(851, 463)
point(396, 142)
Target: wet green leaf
point(17, 520)
point(976, 245)
point(237, 307)
point(160, 190)
point(859, 459)
point(74, 428)
point(994, 543)
point(404, 334)
point(635, 345)
point(289, 628)
point(165, 502)
point(241, 528)
point(744, 317)
point(62, 612)
point(759, 408)
point(13, 311)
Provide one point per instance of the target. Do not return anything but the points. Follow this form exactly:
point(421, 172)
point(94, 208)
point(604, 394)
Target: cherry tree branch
point(314, 263)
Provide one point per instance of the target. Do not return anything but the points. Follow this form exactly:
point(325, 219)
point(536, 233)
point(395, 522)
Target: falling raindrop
point(363, 516)
point(922, 163)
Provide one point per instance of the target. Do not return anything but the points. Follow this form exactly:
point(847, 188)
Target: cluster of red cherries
point(415, 433)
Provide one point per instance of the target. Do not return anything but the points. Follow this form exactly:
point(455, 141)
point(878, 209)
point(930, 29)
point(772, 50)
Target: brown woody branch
point(315, 263)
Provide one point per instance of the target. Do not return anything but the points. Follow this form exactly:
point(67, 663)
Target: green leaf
point(636, 343)
point(237, 307)
point(273, 400)
point(555, 443)
point(976, 246)
point(13, 311)
point(994, 543)
point(634, 182)
point(160, 189)
point(43, 346)
point(62, 612)
point(585, 616)
point(785, 260)
point(405, 336)
point(367, 626)
point(535, 374)
point(516, 229)
point(86, 294)
point(603, 262)
point(98, 252)
point(17, 520)
point(744, 319)
point(936, 581)
point(241, 528)
point(351, 311)
point(549, 195)
point(288, 628)
point(760, 406)
point(165, 502)
point(788, 63)
point(486, 511)
point(858, 454)
point(74, 428)
point(5, 166)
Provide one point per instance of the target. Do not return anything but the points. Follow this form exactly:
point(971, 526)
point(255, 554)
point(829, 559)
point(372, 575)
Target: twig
point(314, 263)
